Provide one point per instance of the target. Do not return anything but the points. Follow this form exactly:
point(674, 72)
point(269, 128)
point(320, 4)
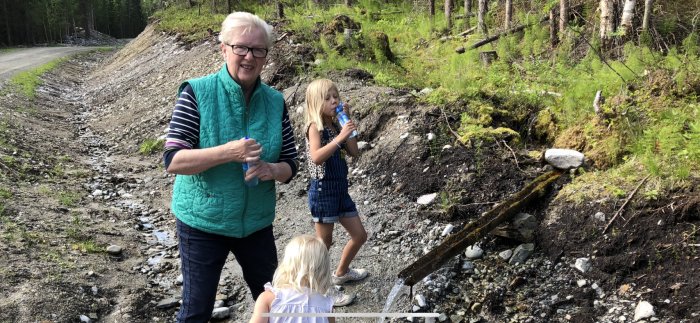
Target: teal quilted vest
point(217, 200)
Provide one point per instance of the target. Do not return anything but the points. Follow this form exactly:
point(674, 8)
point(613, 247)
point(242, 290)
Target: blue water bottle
point(343, 118)
point(252, 182)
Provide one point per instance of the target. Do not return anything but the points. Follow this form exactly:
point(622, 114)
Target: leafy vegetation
point(647, 122)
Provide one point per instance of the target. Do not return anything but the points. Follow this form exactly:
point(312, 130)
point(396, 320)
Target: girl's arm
point(262, 305)
point(320, 154)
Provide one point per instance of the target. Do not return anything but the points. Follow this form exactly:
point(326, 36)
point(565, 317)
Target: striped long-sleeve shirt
point(184, 131)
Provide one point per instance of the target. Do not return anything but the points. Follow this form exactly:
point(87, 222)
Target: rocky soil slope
point(87, 234)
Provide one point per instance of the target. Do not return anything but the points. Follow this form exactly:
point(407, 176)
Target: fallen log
point(507, 32)
point(474, 231)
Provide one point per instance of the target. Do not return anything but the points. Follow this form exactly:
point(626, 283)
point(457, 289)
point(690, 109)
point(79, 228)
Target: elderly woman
point(220, 123)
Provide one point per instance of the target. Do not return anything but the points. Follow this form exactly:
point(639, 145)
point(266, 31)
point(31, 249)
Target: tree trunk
point(229, 7)
point(190, 4)
point(627, 15)
point(280, 9)
point(481, 23)
point(431, 8)
point(509, 14)
point(448, 13)
point(467, 13)
point(606, 18)
point(648, 4)
point(553, 38)
point(563, 14)
point(348, 3)
point(6, 17)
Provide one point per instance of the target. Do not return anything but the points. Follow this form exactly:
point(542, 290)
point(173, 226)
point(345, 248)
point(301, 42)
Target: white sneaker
point(342, 299)
point(351, 275)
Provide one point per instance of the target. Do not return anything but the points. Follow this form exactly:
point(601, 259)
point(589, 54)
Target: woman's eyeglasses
point(243, 51)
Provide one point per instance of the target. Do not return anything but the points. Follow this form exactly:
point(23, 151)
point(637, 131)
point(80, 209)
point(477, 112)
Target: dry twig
point(514, 156)
point(622, 208)
point(447, 121)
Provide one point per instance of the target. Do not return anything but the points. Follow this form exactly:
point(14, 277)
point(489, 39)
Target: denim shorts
point(329, 201)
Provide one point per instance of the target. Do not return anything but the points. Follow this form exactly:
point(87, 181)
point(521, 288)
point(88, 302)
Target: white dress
point(288, 300)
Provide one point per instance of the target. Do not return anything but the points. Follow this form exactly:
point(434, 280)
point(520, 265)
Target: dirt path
point(21, 59)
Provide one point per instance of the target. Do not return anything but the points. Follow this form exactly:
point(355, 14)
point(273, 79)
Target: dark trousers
point(203, 256)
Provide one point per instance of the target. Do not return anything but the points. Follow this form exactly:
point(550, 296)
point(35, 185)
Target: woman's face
point(330, 102)
point(247, 68)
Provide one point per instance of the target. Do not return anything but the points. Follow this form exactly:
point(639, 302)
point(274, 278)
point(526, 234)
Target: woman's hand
point(242, 150)
point(262, 170)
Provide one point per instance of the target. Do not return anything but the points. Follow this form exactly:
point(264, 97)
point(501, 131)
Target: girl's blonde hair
point(305, 264)
point(316, 94)
point(248, 21)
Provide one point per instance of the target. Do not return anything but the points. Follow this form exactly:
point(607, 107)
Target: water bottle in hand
point(254, 181)
point(343, 118)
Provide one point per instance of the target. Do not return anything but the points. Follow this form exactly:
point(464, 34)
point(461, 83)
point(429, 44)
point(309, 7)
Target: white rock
point(362, 145)
point(404, 135)
point(97, 193)
point(445, 147)
point(506, 254)
point(447, 230)
point(365, 202)
point(85, 319)
point(431, 136)
point(114, 250)
point(581, 282)
point(421, 300)
point(221, 313)
point(583, 264)
point(426, 199)
point(643, 310)
point(600, 216)
point(473, 252)
point(564, 158)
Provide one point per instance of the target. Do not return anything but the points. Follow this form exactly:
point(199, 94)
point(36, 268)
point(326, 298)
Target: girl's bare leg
point(358, 236)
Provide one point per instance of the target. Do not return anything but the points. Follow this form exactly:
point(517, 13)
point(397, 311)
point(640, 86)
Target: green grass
point(68, 199)
point(28, 81)
point(151, 146)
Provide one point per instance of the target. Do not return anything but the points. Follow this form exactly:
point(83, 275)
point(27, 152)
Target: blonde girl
point(301, 284)
point(329, 200)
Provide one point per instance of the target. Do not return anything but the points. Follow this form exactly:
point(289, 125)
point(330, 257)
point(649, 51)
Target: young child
point(329, 200)
point(301, 284)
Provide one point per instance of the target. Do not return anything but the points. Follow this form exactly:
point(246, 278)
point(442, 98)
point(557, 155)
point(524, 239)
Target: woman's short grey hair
point(247, 20)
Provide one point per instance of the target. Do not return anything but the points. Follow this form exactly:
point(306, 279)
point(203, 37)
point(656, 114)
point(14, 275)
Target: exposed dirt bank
point(74, 184)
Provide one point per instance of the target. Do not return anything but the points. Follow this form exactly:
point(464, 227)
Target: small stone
point(474, 252)
point(581, 282)
point(505, 254)
point(421, 300)
point(426, 199)
point(599, 216)
point(564, 158)
point(583, 264)
point(643, 310)
point(168, 303)
point(431, 136)
point(85, 319)
point(114, 250)
point(221, 313)
point(447, 230)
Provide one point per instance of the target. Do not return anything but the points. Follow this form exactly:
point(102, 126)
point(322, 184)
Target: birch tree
point(606, 18)
point(509, 14)
point(647, 14)
point(448, 13)
point(481, 16)
point(627, 15)
point(563, 15)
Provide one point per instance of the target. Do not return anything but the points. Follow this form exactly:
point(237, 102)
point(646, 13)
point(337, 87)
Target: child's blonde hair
point(305, 264)
point(316, 94)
